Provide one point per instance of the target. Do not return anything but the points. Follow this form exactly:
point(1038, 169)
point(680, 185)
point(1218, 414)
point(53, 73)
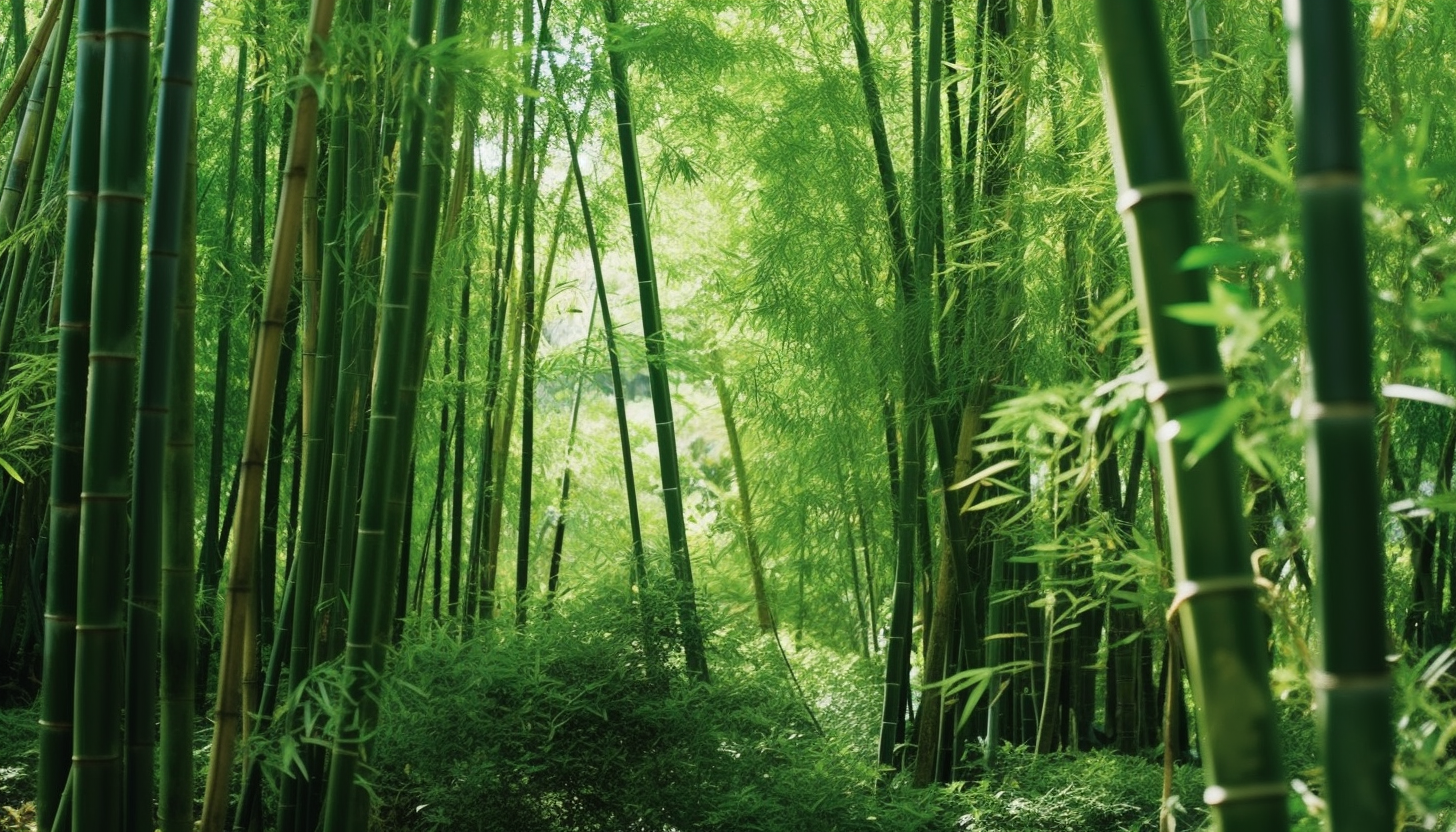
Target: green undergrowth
point(18, 755)
point(562, 729)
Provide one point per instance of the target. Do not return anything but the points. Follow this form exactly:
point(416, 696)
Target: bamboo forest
point(695, 415)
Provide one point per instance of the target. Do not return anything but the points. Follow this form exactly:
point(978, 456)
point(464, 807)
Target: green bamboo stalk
point(403, 312)
point(435, 521)
point(164, 253)
point(236, 633)
point(1198, 29)
point(745, 501)
point(58, 672)
point(1216, 593)
point(529, 194)
point(179, 633)
point(17, 187)
point(46, 169)
point(553, 575)
point(1351, 679)
point(464, 177)
point(317, 436)
point(32, 55)
point(97, 796)
point(656, 338)
point(498, 327)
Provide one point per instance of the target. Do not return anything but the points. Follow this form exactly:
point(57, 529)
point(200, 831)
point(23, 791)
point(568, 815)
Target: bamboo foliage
point(1351, 679)
point(1215, 598)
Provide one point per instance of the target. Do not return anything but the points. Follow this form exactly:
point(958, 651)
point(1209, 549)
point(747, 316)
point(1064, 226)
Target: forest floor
point(559, 730)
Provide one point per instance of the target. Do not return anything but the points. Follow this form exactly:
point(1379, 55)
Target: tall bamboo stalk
point(1215, 597)
point(98, 798)
point(639, 565)
point(656, 338)
point(528, 196)
point(236, 634)
point(1351, 679)
point(179, 598)
point(165, 244)
point(58, 673)
point(414, 223)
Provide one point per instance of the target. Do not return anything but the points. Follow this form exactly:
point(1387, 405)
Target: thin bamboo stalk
point(245, 527)
point(656, 339)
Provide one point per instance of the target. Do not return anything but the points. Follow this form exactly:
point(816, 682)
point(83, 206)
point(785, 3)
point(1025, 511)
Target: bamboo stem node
point(1329, 180)
point(1188, 590)
point(1161, 388)
point(1134, 196)
point(1224, 795)
point(1351, 682)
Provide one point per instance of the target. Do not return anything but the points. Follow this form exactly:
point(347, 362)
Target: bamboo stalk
point(97, 795)
point(1227, 658)
point(1351, 679)
point(656, 338)
point(58, 679)
point(165, 245)
point(270, 329)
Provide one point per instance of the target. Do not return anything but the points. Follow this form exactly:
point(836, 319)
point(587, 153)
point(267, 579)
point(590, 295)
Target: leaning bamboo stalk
point(1216, 592)
point(656, 338)
point(639, 564)
point(18, 191)
point(255, 440)
point(1351, 679)
point(32, 55)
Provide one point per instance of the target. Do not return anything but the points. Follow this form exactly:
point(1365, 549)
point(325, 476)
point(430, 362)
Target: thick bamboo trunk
point(1215, 586)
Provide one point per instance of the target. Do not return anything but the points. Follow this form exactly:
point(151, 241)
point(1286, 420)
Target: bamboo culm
point(1351, 678)
point(1215, 594)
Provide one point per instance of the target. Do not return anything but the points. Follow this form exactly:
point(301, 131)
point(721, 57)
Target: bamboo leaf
point(1412, 393)
point(988, 471)
point(991, 502)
